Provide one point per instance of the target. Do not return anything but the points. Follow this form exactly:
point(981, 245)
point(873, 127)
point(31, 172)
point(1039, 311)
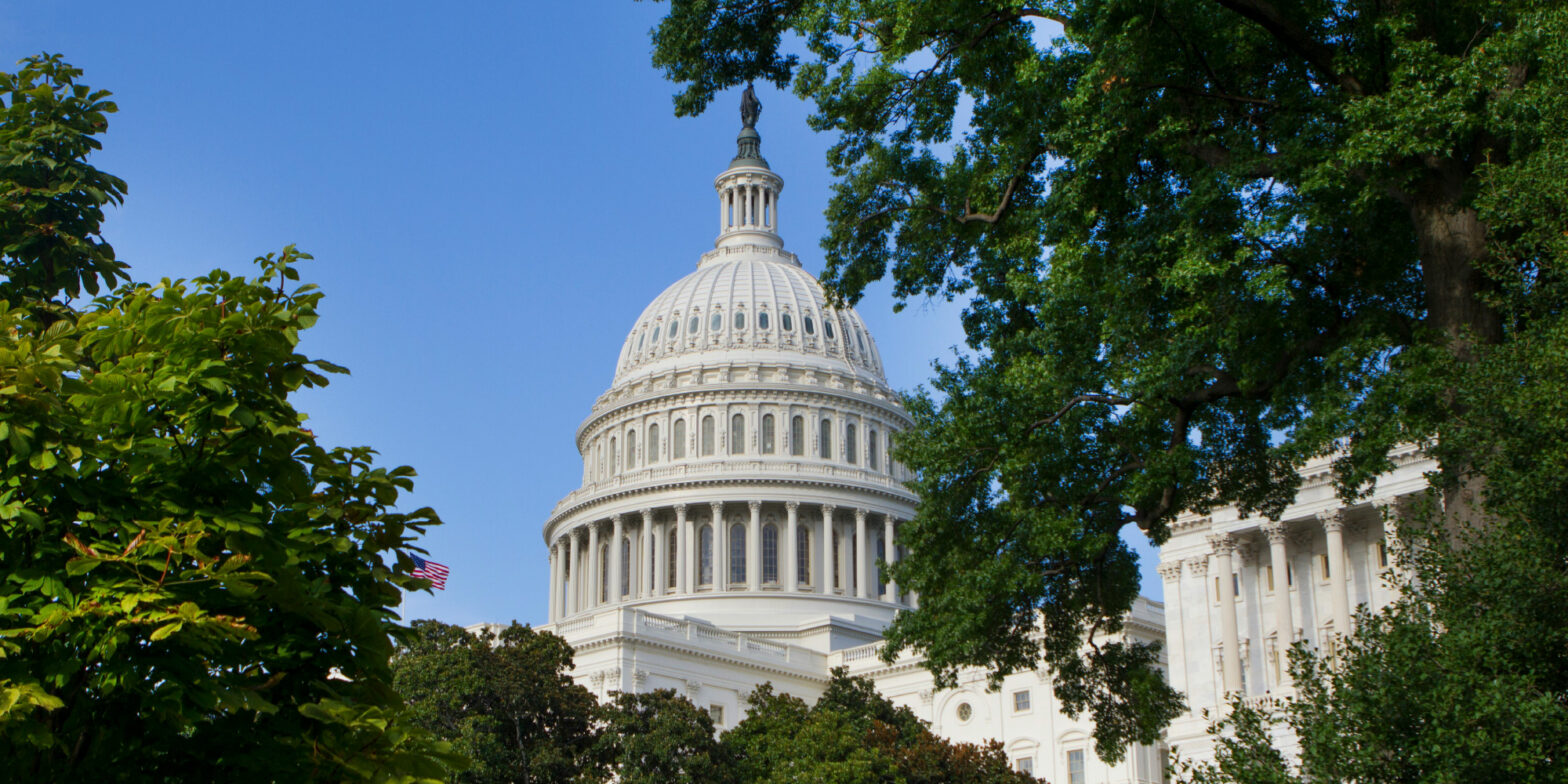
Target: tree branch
point(1317, 56)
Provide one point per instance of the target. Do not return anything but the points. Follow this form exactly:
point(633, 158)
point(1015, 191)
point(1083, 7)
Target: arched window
point(789, 323)
point(615, 455)
point(811, 328)
point(716, 323)
point(707, 436)
point(797, 436)
point(762, 320)
point(675, 325)
point(737, 553)
point(696, 321)
point(679, 447)
point(770, 553)
point(737, 435)
point(827, 326)
point(740, 319)
point(631, 450)
point(803, 555)
point(871, 450)
point(767, 434)
point(626, 558)
point(656, 334)
point(670, 561)
point(653, 443)
point(826, 447)
point(705, 555)
point(851, 443)
point(604, 573)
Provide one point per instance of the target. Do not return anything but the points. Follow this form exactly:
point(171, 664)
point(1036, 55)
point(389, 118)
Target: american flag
point(430, 570)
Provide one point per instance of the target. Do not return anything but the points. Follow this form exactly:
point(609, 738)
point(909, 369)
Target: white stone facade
point(737, 496)
point(1239, 591)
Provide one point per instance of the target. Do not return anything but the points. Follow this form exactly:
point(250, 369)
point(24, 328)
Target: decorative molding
point(1170, 571)
point(1275, 531)
point(1221, 543)
point(1197, 566)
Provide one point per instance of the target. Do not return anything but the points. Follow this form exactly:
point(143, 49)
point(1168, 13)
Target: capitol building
point(738, 493)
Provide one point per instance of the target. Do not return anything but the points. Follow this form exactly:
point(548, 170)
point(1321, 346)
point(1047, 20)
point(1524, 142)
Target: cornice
point(615, 639)
point(653, 488)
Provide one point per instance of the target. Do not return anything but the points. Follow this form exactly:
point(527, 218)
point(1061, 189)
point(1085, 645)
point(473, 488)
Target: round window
point(716, 324)
point(789, 325)
point(762, 320)
point(692, 327)
point(740, 320)
point(811, 329)
point(965, 712)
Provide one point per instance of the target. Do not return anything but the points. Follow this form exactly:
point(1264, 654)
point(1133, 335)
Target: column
point(661, 559)
point(846, 568)
point(644, 574)
point(575, 579)
point(593, 564)
point(862, 553)
point(617, 563)
point(1176, 651)
point(555, 574)
point(825, 573)
point(891, 546)
point(682, 551)
point(1284, 627)
point(721, 548)
point(791, 539)
point(1224, 545)
point(1338, 573)
point(754, 547)
point(1198, 567)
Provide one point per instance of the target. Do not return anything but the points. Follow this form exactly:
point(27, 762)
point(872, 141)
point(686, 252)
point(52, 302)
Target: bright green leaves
point(51, 200)
point(184, 564)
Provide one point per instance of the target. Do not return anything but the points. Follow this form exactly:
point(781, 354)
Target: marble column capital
point(754, 506)
point(1170, 571)
point(792, 505)
point(1333, 520)
point(1275, 531)
point(1197, 566)
point(1222, 544)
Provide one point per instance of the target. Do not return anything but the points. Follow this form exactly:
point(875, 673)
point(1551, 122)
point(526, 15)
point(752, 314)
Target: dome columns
point(799, 554)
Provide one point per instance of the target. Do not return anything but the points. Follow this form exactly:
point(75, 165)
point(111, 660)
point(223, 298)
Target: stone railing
point(659, 475)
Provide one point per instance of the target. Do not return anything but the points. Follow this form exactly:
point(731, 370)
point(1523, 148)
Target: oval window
point(811, 329)
point(639, 340)
point(965, 712)
point(695, 322)
point(762, 320)
point(675, 326)
point(740, 320)
point(827, 327)
point(656, 334)
point(716, 324)
point(789, 325)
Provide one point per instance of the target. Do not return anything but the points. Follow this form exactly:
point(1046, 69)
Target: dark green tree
point(658, 737)
point(505, 700)
point(1202, 241)
point(193, 587)
point(852, 735)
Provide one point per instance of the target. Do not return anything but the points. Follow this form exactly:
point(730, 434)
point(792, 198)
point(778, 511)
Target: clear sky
point(492, 191)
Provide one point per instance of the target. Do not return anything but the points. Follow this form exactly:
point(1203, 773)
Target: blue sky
point(492, 192)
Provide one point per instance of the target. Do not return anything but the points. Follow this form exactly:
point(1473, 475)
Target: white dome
point(748, 304)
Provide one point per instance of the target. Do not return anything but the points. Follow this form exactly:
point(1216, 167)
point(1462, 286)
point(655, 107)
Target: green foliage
point(658, 738)
point(194, 588)
point(853, 735)
point(505, 701)
point(1203, 241)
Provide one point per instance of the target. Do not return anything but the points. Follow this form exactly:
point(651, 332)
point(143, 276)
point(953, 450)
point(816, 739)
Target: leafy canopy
point(193, 587)
point(1202, 241)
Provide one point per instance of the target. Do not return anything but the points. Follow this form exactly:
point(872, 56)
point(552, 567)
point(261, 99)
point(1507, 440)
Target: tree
point(505, 699)
point(1203, 241)
point(657, 737)
point(853, 735)
point(195, 588)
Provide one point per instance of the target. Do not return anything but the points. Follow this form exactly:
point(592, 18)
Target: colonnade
point(1268, 582)
point(676, 550)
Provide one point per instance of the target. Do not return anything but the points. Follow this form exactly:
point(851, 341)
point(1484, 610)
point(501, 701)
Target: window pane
point(797, 436)
point(762, 320)
point(770, 554)
point(626, 558)
point(1021, 700)
point(680, 438)
point(811, 328)
point(705, 556)
point(737, 435)
point(827, 327)
point(803, 555)
point(675, 327)
point(789, 324)
point(871, 450)
point(827, 439)
point(737, 553)
point(740, 320)
point(672, 550)
point(767, 434)
point(707, 436)
point(653, 443)
point(604, 572)
point(631, 449)
point(851, 443)
point(692, 327)
point(716, 323)
point(1075, 766)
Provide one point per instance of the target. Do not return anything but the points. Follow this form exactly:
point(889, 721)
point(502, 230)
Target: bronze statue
point(750, 108)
